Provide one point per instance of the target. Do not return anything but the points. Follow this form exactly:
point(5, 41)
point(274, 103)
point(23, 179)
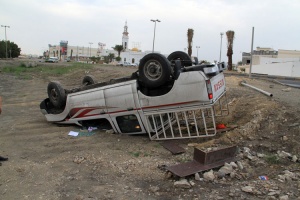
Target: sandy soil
point(45, 163)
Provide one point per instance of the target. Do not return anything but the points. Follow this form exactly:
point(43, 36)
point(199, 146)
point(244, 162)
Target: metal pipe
point(255, 88)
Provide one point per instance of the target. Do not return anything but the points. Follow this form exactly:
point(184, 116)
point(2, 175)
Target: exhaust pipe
point(255, 88)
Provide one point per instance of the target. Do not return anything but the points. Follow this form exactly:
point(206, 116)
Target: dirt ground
point(45, 163)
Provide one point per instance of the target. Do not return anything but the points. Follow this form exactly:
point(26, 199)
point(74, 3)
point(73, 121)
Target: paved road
point(292, 83)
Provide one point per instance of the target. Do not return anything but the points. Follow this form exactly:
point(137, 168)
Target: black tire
point(182, 56)
point(56, 94)
point(154, 70)
point(89, 80)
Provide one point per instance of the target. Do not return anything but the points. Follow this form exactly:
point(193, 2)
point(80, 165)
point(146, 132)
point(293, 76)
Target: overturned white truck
point(168, 98)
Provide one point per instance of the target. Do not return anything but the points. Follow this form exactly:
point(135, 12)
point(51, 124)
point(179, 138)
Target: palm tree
point(190, 34)
point(230, 38)
point(111, 56)
point(118, 48)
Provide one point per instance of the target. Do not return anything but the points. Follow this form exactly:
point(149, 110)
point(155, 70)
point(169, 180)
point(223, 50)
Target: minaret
point(125, 38)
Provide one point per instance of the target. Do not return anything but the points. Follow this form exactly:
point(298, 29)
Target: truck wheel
point(154, 70)
point(89, 80)
point(182, 56)
point(56, 94)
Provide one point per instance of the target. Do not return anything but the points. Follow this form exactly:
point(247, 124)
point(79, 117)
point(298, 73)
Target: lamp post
point(90, 48)
point(221, 46)
point(154, 31)
point(197, 51)
point(5, 39)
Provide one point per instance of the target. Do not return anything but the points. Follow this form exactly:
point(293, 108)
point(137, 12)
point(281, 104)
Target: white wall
point(288, 69)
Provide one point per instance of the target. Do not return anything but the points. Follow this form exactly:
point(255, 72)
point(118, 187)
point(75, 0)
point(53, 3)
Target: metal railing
point(186, 122)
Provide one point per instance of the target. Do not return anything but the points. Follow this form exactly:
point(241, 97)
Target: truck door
point(123, 108)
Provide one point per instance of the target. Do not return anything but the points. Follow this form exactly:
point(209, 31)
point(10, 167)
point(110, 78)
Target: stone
point(183, 183)
point(209, 175)
point(273, 193)
point(287, 89)
point(283, 154)
point(284, 197)
point(246, 150)
point(284, 138)
point(220, 174)
point(234, 165)
point(78, 159)
point(294, 158)
point(197, 177)
point(154, 189)
point(232, 174)
point(226, 169)
point(111, 131)
point(260, 155)
point(248, 189)
point(192, 183)
point(240, 165)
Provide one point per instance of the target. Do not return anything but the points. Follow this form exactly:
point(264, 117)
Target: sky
point(36, 23)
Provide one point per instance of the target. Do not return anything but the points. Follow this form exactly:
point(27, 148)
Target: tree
point(230, 38)
point(190, 35)
point(118, 48)
point(13, 51)
point(111, 56)
point(118, 58)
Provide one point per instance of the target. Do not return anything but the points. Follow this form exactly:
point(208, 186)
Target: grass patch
point(22, 71)
point(139, 154)
point(135, 154)
point(272, 159)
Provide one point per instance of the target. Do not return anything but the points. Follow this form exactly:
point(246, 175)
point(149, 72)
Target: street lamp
point(221, 46)
point(197, 51)
point(5, 39)
point(154, 31)
point(90, 48)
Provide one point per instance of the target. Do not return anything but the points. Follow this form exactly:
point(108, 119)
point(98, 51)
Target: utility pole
point(250, 71)
point(197, 51)
point(154, 31)
point(221, 46)
point(5, 39)
point(90, 48)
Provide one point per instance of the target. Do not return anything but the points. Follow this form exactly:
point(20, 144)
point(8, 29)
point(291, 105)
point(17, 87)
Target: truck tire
point(154, 70)
point(88, 80)
point(182, 56)
point(56, 94)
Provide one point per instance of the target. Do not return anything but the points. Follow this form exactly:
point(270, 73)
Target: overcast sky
point(36, 23)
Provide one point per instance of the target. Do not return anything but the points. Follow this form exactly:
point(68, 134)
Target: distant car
point(124, 64)
point(52, 60)
point(134, 64)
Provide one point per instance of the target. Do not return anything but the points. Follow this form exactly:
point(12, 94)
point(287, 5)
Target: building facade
point(284, 63)
point(83, 53)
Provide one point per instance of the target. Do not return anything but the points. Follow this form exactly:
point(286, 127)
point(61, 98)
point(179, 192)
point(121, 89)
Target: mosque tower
point(125, 38)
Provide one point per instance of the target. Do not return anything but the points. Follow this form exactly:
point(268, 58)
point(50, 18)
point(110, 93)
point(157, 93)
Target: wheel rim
point(54, 95)
point(153, 70)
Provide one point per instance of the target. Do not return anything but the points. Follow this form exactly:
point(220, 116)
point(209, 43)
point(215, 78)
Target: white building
point(267, 61)
point(79, 53)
